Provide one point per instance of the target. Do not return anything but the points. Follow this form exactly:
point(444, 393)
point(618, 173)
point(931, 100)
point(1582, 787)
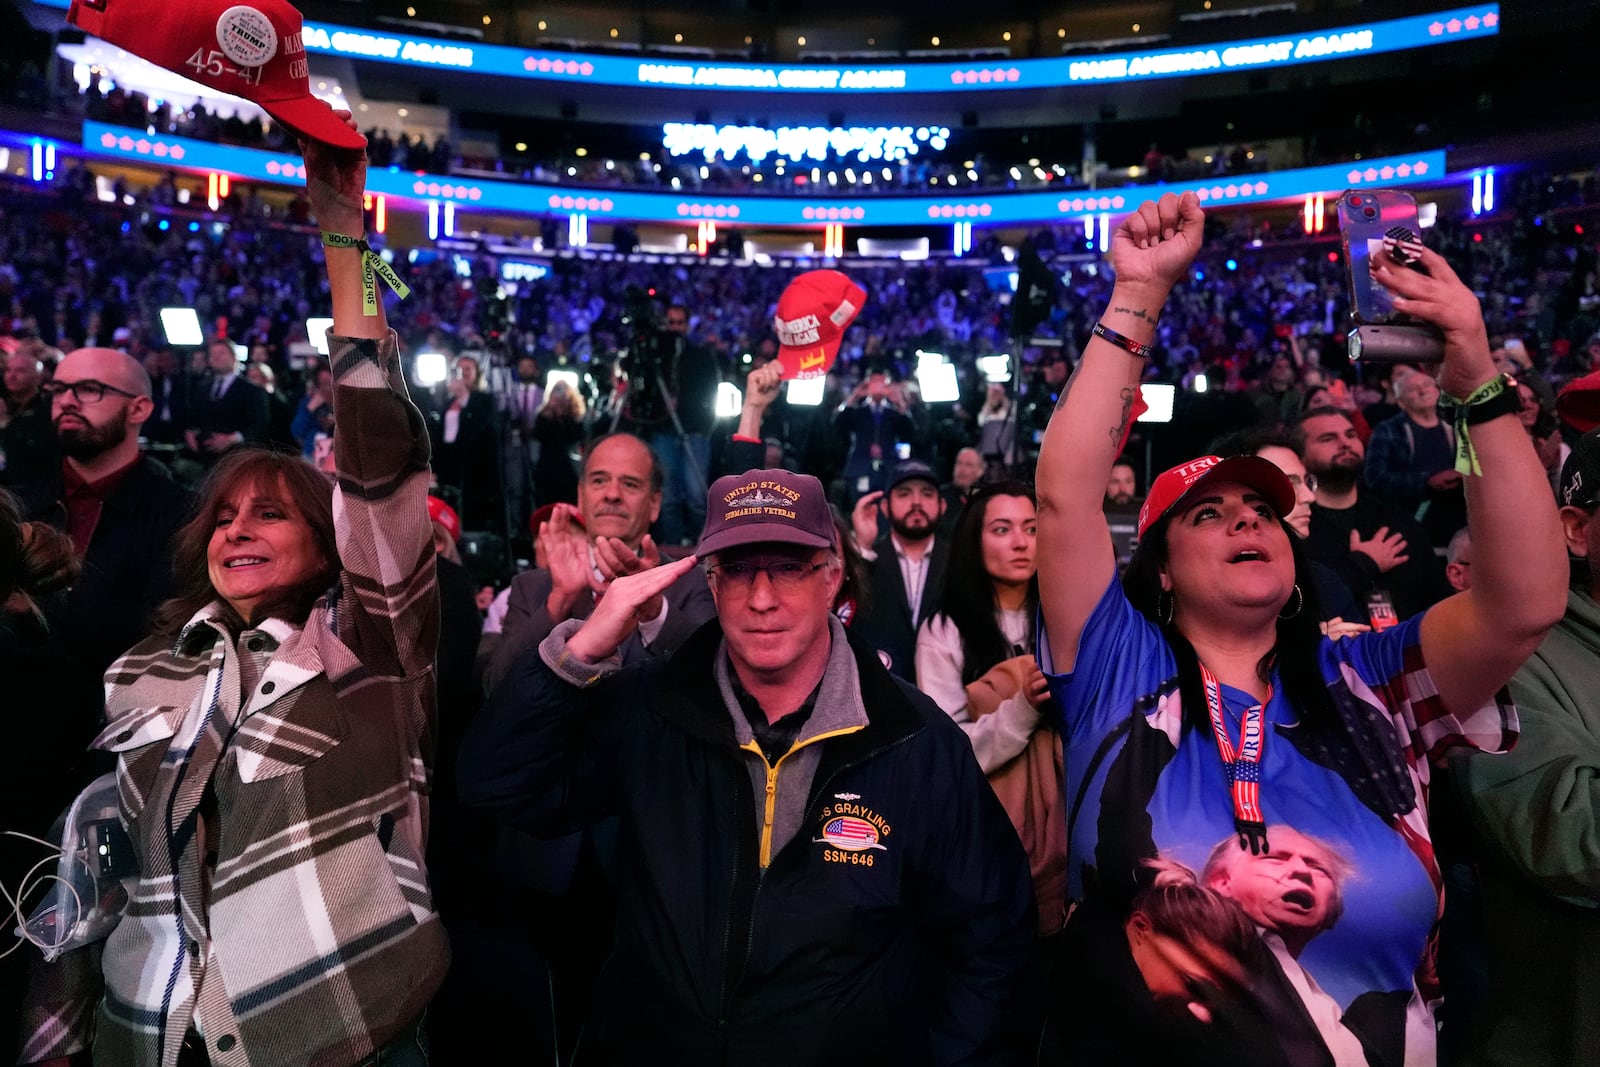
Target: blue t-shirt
point(1318, 951)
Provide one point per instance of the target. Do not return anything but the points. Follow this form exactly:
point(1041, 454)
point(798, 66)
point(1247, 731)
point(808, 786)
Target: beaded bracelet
point(371, 264)
point(1127, 344)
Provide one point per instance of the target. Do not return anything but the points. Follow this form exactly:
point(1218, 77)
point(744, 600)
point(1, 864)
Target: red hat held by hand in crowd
point(811, 318)
point(253, 51)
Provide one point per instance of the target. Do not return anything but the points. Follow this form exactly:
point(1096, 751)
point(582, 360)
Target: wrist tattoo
point(1135, 313)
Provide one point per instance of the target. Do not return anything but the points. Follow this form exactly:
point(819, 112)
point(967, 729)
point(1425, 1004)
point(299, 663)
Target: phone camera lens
point(1369, 213)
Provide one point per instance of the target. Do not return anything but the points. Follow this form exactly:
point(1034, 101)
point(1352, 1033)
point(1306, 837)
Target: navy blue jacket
point(916, 958)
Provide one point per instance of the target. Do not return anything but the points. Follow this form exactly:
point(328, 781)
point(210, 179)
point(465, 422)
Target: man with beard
point(1382, 554)
point(907, 565)
point(120, 508)
point(1121, 506)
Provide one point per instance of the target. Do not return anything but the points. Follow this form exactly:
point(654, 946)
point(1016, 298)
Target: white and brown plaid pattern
point(317, 941)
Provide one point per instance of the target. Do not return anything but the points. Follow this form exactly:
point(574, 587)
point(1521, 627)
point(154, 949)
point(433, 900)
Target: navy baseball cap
point(911, 470)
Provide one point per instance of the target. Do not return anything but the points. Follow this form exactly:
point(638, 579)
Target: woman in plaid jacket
point(274, 743)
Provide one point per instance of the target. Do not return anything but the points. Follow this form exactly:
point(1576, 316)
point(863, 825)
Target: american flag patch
point(850, 834)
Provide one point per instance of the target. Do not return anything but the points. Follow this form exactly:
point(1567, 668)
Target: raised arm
point(389, 611)
point(1150, 251)
point(1474, 641)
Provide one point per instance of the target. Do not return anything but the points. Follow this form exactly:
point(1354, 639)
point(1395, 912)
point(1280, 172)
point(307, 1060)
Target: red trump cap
point(1172, 486)
point(253, 51)
point(812, 315)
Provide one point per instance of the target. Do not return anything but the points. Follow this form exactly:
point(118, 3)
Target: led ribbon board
point(116, 142)
point(1257, 53)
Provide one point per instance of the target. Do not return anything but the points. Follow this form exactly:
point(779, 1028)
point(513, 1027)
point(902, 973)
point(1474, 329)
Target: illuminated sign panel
point(516, 270)
point(1040, 206)
point(1373, 38)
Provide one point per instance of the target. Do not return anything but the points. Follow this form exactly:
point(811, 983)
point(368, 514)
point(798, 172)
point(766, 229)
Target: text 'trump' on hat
point(811, 319)
point(1171, 486)
point(254, 51)
point(766, 507)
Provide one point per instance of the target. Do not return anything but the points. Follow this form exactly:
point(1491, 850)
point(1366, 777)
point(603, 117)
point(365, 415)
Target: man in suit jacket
point(874, 420)
point(226, 409)
point(907, 566)
point(619, 496)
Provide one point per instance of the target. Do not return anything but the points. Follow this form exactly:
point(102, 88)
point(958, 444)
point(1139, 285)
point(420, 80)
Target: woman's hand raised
point(1153, 247)
point(336, 182)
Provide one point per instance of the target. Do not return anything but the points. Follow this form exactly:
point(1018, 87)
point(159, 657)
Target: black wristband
point(1506, 402)
point(1127, 344)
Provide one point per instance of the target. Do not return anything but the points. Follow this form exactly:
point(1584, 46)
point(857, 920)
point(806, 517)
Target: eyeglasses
point(1309, 481)
point(784, 574)
point(87, 391)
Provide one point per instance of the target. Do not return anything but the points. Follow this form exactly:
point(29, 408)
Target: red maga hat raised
point(253, 51)
point(811, 319)
point(1171, 486)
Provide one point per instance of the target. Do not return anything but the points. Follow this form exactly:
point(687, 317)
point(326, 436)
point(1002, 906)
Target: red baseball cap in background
point(812, 315)
point(445, 515)
point(253, 51)
point(1170, 487)
point(1579, 402)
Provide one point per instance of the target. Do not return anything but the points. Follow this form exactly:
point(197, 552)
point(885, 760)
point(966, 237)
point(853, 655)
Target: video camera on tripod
point(648, 362)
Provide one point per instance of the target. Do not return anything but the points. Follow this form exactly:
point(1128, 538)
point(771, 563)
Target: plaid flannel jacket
point(316, 941)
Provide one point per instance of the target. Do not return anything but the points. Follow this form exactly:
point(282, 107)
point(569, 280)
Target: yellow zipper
point(772, 783)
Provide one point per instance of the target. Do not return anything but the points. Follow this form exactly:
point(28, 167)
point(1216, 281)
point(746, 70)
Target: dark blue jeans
point(683, 494)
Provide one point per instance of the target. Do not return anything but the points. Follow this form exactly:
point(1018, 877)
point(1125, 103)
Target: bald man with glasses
point(120, 507)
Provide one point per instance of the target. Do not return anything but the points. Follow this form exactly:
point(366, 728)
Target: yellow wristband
point(371, 264)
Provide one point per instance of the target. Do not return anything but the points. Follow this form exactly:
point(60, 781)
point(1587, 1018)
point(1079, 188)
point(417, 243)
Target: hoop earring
point(1164, 614)
point(1299, 602)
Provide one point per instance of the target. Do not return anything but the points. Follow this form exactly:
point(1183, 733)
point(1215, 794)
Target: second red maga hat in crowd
point(254, 51)
point(811, 319)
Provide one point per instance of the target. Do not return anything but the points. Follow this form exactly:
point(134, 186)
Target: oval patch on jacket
point(850, 834)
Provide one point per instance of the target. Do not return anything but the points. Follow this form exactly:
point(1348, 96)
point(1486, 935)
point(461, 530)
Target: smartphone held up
point(1379, 222)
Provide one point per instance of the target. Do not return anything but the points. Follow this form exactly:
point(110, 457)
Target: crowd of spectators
point(652, 167)
point(1260, 297)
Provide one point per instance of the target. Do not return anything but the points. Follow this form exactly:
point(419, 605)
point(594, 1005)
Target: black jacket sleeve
point(543, 755)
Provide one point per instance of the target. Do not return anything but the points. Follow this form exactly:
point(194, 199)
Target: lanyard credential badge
point(1242, 766)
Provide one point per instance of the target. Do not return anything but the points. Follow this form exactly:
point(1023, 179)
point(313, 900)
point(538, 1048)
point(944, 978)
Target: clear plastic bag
point(95, 874)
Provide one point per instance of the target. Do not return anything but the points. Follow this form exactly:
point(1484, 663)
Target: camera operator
point(1038, 401)
point(670, 402)
point(875, 418)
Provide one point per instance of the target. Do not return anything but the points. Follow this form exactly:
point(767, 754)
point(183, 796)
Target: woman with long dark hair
point(274, 742)
point(974, 657)
point(1209, 723)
